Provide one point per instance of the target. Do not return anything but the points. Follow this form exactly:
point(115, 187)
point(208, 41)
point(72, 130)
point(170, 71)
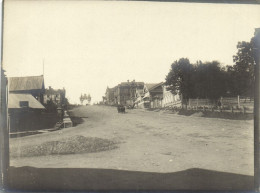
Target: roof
point(14, 101)
point(129, 83)
point(111, 89)
point(26, 83)
point(54, 91)
point(151, 86)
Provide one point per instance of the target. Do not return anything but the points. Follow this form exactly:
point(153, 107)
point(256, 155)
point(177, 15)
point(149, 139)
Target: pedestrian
point(219, 104)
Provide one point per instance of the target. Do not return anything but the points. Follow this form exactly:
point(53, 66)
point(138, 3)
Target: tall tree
point(89, 98)
point(179, 79)
point(210, 80)
point(242, 71)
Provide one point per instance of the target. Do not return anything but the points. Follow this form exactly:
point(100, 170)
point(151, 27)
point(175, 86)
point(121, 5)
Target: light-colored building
point(153, 95)
point(139, 94)
point(169, 99)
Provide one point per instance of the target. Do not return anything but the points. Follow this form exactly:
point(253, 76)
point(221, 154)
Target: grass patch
point(215, 114)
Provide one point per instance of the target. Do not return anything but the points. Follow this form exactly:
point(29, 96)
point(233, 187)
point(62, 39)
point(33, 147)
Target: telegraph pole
point(43, 67)
point(256, 50)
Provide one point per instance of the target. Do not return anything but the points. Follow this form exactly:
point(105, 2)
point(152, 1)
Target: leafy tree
point(89, 98)
point(210, 80)
point(201, 80)
point(179, 79)
point(243, 71)
point(51, 107)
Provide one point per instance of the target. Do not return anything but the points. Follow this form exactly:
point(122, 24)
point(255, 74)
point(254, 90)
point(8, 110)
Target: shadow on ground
point(72, 179)
point(77, 120)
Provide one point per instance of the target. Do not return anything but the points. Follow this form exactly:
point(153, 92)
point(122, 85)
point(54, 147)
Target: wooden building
point(33, 85)
point(153, 95)
point(169, 99)
point(25, 112)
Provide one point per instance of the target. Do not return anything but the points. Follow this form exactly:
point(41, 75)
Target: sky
point(86, 46)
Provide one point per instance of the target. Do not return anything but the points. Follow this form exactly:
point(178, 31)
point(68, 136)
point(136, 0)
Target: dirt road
point(149, 141)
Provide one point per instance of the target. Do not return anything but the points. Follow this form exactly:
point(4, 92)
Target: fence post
point(244, 110)
point(232, 109)
point(238, 101)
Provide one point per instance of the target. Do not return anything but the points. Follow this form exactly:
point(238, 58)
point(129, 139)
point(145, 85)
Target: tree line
point(211, 80)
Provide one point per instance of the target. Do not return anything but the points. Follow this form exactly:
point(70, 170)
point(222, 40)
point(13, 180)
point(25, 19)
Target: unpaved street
point(148, 141)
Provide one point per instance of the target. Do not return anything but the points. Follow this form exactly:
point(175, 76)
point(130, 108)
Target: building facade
point(152, 95)
point(126, 92)
point(123, 94)
point(169, 99)
point(33, 85)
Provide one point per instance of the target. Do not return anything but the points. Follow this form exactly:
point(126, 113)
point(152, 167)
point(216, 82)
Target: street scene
point(129, 96)
point(140, 141)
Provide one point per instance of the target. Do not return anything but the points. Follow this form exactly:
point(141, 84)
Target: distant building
point(139, 94)
point(33, 85)
point(111, 96)
point(126, 92)
point(57, 96)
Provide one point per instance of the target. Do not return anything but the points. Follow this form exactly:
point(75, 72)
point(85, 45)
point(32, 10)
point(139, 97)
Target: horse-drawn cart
point(120, 109)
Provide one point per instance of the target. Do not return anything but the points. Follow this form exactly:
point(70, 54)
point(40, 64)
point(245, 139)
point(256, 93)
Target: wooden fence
point(226, 103)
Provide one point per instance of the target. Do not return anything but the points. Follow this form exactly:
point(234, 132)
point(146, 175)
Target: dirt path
point(150, 141)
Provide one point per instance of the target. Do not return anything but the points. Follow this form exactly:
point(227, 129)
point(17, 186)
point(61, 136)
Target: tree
point(51, 107)
point(201, 80)
point(210, 80)
point(179, 79)
point(89, 98)
point(243, 71)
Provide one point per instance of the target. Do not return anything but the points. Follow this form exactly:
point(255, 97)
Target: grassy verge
point(217, 114)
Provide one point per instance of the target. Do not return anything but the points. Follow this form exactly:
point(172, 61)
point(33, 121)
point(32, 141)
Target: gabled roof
point(52, 91)
point(14, 101)
point(131, 83)
point(151, 86)
point(111, 89)
point(26, 83)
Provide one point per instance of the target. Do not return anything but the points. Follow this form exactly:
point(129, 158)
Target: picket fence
point(226, 102)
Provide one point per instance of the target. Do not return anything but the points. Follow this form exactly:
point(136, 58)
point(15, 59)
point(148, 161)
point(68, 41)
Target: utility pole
point(256, 50)
point(43, 67)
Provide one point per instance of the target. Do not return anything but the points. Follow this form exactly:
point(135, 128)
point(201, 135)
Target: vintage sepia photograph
point(129, 95)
